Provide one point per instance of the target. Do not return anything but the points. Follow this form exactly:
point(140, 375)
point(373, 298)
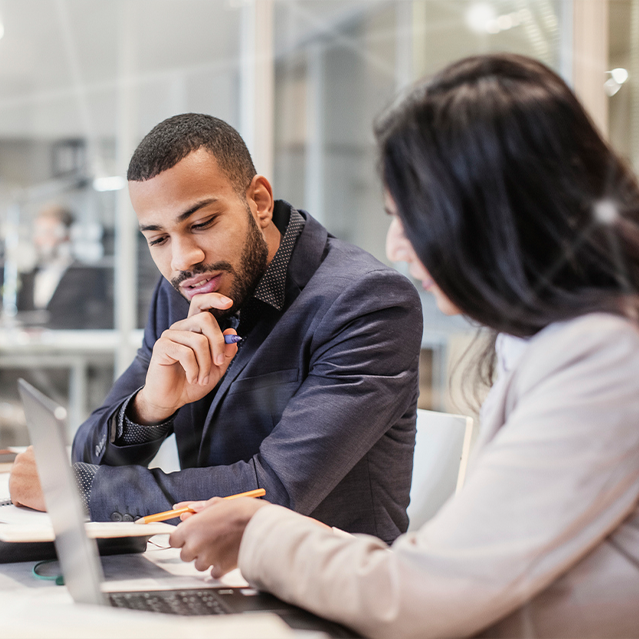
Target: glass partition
point(80, 84)
point(337, 65)
point(622, 82)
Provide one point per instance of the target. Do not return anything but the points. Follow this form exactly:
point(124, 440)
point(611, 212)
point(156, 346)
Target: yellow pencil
point(170, 514)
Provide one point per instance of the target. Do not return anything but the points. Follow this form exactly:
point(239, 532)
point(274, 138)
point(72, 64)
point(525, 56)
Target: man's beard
point(253, 263)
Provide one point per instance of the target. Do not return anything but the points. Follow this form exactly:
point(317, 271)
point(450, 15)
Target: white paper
point(4, 486)
point(23, 516)
point(40, 529)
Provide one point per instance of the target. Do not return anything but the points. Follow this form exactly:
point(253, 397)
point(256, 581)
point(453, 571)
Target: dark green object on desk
point(12, 552)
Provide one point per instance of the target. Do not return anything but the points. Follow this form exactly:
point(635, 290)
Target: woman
point(511, 209)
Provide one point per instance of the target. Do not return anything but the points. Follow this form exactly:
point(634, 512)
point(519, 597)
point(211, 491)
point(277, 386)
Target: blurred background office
point(81, 81)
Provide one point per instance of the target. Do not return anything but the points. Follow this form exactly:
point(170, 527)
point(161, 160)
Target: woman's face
point(399, 249)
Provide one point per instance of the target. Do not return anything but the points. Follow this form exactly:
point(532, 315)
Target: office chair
point(442, 448)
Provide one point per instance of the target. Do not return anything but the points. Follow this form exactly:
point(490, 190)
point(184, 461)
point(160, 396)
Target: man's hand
point(24, 482)
point(188, 361)
point(212, 536)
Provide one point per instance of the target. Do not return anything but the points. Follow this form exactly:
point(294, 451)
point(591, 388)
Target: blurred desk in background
point(74, 350)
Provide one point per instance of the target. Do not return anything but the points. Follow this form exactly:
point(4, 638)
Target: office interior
point(82, 81)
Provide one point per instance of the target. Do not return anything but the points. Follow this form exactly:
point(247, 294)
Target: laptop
point(78, 554)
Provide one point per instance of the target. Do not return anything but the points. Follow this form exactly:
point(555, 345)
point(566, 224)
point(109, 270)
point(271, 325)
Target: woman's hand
point(212, 535)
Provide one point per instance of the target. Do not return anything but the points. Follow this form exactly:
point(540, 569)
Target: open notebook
point(78, 555)
point(28, 535)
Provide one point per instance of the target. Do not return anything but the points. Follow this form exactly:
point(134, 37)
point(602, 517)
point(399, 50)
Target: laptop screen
point(78, 555)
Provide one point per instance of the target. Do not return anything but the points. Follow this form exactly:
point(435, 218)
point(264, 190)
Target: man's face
point(49, 234)
point(203, 236)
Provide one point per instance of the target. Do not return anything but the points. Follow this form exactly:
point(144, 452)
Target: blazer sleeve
point(557, 479)
point(92, 439)
point(362, 379)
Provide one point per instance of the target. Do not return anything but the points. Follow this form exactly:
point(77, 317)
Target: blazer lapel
point(250, 345)
point(305, 260)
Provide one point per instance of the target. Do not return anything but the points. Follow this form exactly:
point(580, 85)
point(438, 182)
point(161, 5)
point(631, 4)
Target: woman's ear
point(260, 198)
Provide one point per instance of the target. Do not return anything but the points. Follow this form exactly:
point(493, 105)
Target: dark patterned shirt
point(271, 288)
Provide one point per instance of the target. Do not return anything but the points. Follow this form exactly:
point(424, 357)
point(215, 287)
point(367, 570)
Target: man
point(316, 404)
point(60, 292)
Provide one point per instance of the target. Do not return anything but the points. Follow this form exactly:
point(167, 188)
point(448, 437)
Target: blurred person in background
point(510, 208)
point(60, 292)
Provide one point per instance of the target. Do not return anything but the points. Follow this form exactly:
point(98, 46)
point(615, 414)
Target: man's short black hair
point(176, 137)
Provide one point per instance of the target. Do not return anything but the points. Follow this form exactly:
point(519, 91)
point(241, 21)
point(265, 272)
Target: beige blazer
point(543, 541)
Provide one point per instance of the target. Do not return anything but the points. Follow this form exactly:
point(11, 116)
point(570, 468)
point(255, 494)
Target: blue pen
point(232, 339)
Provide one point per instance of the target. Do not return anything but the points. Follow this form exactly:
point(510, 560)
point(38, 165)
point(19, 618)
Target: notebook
point(78, 555)
point(27, 535)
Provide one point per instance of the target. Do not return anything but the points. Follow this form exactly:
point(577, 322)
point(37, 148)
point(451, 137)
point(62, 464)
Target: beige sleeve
point(558, 477)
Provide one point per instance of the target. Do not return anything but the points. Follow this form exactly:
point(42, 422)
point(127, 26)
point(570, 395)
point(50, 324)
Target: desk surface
point(31, 607)
point(44, 340)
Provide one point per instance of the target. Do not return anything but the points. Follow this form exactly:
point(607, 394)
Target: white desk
point(32, 608)
point(38, 609)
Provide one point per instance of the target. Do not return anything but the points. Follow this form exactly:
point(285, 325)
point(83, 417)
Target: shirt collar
point(509, 351)
point(272, 286)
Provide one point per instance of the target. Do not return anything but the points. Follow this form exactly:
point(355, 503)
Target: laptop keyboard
point(176, 602)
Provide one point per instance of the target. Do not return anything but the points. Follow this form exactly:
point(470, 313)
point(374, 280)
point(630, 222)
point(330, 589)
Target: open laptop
point(78, 555)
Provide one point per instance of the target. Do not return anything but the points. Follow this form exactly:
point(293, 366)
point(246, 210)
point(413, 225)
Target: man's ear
point(260, 198)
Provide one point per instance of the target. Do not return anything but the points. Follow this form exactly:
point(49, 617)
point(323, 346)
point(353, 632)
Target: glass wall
point(337, 65)
point(80, 84)
point(622, 82)
point(81, 81)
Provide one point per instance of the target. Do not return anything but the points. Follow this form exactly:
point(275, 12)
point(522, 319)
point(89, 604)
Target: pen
point(232, 339)
point(170, 514)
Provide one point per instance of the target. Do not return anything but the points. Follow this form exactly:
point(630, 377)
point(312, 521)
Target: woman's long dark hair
point(512, 200)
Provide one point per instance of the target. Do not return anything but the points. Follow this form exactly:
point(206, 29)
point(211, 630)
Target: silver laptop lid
point(77, 553)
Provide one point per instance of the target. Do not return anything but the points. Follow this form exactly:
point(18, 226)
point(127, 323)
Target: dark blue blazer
point(318, 406)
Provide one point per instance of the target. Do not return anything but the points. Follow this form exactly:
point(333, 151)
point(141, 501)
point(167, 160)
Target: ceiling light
point(619, 75)
point(480, 16)
point(611, 87)
point(113, 183)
